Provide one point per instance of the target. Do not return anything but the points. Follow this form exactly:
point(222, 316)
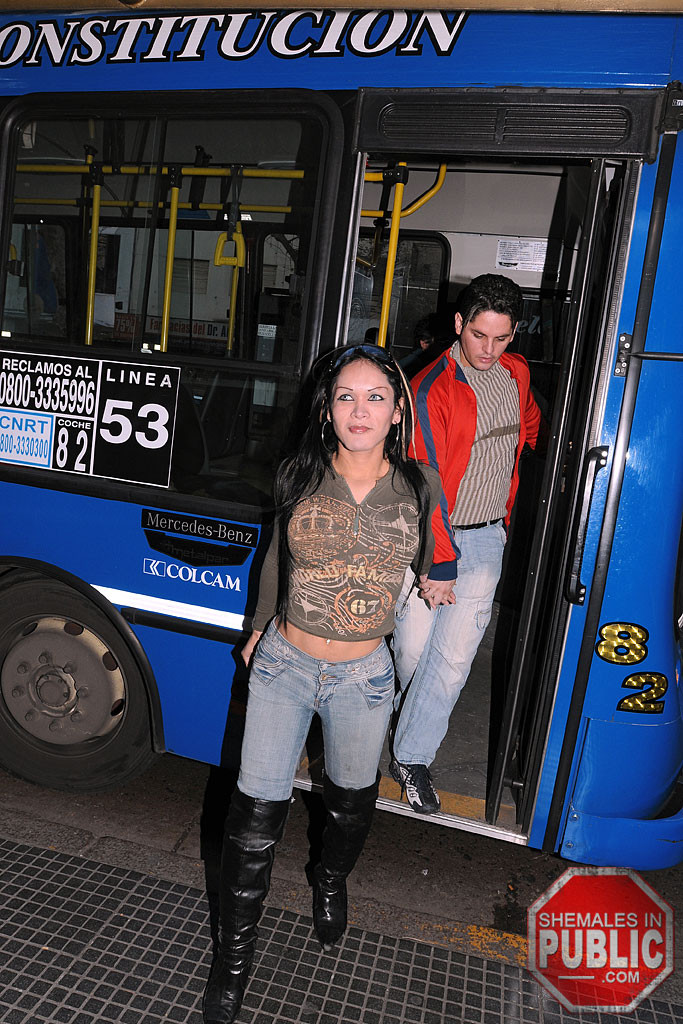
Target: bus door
point(554, 215)
point(551, 579)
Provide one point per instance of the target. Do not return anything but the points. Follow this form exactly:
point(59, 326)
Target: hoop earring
point(330, 451)
point(392, 444)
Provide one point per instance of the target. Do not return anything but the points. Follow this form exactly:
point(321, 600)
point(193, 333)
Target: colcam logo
point(190, 574)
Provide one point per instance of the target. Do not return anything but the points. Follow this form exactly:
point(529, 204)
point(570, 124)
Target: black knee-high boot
point(252, 829)
point(349, 816)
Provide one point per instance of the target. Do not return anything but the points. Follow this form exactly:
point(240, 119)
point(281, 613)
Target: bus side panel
point(102, 543)
point(633, 749)
point(194, 712)
point(586, 51)
point(646, 844)
point(632, 736)
point(565, 684)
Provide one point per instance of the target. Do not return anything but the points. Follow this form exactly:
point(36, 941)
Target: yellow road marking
point(453, 803)
point(477, 940)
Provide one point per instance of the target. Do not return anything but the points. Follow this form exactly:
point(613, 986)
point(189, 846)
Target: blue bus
point(196, 203)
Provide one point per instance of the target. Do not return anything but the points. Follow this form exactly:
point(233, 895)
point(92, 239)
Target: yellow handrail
point(92, 263)
point(144, 204)
point(238, 261)
point(189, 172)
point(416, 203)
point(427, 195)
point(168, 276)
point(391, 260)
point(397, 214)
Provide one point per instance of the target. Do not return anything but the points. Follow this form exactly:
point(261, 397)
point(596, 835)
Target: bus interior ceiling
point(524, 220)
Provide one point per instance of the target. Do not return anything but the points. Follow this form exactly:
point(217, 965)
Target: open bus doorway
point(556, 229)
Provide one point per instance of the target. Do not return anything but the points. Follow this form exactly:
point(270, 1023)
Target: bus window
point(421, 266)
point(36, 281)
point(539, 339)
point(183, 237)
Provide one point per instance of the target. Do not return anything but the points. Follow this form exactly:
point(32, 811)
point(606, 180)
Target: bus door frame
point(405, 123)
point(538, 650)
point(671, 124)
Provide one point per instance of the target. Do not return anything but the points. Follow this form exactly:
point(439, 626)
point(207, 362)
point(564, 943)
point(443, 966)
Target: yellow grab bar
point(168, 276)
point(145, 204)
point(92, 262)
point(238, 261)
point(189, 172)
point(427, 195)
point(397, 214)
point(391, 260)
point(417, 203)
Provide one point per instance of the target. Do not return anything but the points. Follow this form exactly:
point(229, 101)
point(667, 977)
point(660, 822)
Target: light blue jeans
point(286, 688)
point(434, 650)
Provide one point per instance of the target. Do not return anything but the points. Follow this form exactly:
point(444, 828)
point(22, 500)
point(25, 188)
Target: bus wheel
point(73, 707)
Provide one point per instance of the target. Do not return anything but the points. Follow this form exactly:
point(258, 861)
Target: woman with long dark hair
point(353, 512)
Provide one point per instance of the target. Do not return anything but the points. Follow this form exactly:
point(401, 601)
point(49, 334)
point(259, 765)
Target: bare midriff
point(333, 650)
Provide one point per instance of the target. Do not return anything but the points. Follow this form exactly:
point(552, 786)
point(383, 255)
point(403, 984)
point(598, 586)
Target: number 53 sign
point(135, 422)
point(92, 416)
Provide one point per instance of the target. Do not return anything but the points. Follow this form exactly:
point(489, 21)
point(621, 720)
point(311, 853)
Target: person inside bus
point(354, 511)
point(476, 412)
point(429, 338)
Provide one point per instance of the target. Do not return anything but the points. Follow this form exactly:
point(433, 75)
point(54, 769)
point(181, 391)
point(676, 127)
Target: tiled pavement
point(83, 942)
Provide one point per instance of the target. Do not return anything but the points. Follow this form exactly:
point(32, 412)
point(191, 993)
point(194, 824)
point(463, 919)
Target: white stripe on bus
point(194, 612)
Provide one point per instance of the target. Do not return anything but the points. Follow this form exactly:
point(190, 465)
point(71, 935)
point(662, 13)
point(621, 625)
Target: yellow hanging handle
point(238, 261)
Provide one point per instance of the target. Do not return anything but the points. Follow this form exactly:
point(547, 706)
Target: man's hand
point(436, 592)
point(248, 649)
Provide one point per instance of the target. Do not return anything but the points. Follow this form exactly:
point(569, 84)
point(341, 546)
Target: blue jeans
point(286, 688)
point(434, 650)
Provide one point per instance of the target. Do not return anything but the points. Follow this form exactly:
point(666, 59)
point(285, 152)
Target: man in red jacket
point(475, 413)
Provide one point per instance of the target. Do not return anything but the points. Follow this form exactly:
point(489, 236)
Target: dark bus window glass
point(201, 256)
point(418, 277)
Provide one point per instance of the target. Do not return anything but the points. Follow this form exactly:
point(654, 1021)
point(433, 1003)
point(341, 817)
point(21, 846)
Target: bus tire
point(74, 713)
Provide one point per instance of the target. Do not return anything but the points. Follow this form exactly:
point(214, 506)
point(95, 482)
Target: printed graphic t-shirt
point(348, 558)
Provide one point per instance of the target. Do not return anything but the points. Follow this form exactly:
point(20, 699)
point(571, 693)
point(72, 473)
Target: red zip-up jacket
point(444, 433)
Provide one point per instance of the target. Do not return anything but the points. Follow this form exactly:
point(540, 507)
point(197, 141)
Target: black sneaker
point(416, 782)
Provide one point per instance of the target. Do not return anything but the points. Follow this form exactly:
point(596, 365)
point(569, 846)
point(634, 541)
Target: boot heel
point(329, 908)
point(224, 993)
point(252, 830)
point(349, 816)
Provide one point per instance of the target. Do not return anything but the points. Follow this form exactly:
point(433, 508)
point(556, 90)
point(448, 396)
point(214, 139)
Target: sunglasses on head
point(340, 355)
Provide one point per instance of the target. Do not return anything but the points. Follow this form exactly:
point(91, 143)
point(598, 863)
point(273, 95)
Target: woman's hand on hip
point(248, 649)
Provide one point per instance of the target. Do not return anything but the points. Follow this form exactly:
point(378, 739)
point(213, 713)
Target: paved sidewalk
point(84, 942)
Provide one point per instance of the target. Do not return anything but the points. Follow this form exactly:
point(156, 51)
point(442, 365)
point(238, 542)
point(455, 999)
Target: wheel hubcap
point(61, 683)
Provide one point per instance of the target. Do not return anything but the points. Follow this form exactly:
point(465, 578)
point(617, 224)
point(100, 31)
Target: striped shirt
point(484, 489)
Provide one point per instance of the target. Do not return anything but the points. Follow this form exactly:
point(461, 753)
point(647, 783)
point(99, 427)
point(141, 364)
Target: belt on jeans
point(478, 526)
